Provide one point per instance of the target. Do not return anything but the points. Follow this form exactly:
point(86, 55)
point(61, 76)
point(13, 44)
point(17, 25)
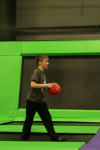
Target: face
point(45, 63)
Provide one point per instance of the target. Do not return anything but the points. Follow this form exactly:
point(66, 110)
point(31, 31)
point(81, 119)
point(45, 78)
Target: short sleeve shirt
point(37, 94)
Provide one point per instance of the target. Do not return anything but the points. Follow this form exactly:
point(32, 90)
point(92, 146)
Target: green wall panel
point(5, 120)
point(10, 74)
point(58, 48)
point(11, 61)
point(8, 113)
point(10, 48)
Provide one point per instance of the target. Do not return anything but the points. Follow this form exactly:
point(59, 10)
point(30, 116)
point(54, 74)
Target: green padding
point(67, 113)
point(23, 119)
point(58, 48)
point(10, 48)
point(8, 113)
point(64, 119)
point(22, 113)
point(58, 129)
point(7, 145)
point(5, 120)
point(10, 74)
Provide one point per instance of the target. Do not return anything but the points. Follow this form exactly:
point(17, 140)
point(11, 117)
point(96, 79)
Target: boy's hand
point(51, 85)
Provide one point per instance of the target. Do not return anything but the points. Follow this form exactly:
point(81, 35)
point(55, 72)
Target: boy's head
point(42, 60)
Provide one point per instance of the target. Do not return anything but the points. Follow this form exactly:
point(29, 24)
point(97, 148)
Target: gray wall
point(36, 17)
point(39, 19)
point(7, 20)
point(57, 13)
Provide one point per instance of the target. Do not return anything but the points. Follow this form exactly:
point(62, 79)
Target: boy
point(36, 101)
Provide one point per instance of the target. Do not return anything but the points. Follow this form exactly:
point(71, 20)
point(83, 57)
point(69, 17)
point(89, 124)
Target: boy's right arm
point(35, 85)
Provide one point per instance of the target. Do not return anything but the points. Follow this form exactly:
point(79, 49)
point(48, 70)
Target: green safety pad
point(8, 113)
point(58, 48)
point(22, 113)
point(5, 120)
point(11, 48)
point(23, 119)
point(66, 113)
point(58, 129)
point(63, 119)
point(19, 145)
point(10, 75)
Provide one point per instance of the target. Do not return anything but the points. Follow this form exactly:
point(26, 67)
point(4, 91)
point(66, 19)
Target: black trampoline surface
point(45, 137)
point(10, 136)
point(55, 123)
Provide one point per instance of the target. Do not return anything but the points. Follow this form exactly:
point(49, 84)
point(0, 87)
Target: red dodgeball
point(56, 90)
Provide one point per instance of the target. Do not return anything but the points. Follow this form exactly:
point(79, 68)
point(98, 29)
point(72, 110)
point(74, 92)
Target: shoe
point(62, 140)
point(22, 139)
point(59, 140)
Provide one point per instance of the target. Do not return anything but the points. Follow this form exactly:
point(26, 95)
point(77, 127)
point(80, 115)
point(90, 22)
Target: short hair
point(40, 57)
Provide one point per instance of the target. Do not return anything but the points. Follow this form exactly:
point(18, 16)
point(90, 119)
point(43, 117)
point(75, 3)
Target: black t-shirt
point(37, 94)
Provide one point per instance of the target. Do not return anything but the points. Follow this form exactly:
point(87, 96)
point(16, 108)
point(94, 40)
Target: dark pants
point(43, 112)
